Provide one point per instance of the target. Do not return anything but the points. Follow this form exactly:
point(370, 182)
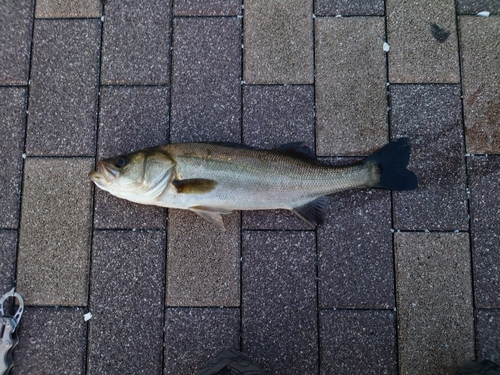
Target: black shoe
point(230, 362)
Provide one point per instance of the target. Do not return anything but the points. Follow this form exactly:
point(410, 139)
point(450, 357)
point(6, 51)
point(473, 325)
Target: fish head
point(139, 177)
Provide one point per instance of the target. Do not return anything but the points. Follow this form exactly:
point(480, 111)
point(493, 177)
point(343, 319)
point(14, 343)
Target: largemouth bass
point(211, 179)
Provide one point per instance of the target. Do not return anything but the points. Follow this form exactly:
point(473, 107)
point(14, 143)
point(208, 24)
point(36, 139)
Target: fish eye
point(121, 161)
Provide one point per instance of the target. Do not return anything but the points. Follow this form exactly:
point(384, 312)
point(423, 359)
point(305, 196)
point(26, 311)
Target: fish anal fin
point(211, 214)
point(194, 185)
point(312, 212)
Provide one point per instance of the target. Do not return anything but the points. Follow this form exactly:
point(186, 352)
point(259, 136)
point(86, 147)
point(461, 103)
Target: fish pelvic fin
point(312, 212)
point(194, 186)
point(211, 214)
point(389, 164)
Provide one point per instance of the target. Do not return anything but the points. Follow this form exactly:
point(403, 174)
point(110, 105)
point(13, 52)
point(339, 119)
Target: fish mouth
point(103, 174)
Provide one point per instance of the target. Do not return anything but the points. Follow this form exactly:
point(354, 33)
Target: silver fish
point(211, 179)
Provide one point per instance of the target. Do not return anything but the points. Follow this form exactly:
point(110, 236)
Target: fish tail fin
point(391, 162)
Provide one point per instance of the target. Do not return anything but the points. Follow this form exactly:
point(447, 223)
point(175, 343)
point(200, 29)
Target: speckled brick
point(68, 9)
point(15, 41)
point(484, 185)
point(279, 326)
point(136, 42)
point(349, 7)
point(358, 342)
point(203, 267)
point(434, 302)
point(278, 41)
point(488, 334)
point(431, 116)
point(423, 41)
point(355, 251)
point(54, 244)
point(207, 7)
point(194, 336)
point(480, 53)
point(206, 80)
point(51, 341)
point(12, 113)
point(476, 6)
point(8, 252)
point(127, 302)
point(64, 86)
point(351, 103)
point(272, 116)
point(131, 118)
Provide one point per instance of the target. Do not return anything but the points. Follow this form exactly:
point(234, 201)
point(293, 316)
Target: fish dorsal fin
point(297, 150)
point(194, 185)
point(312, 212)
point(211, 214)
point(230, 144)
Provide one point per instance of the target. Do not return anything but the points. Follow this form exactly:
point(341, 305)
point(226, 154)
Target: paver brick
point(127, 302)
point(15, 41)
point(358, 342)
point(206, 80)
point(480, 54)
point(12, 131)
point(207, 7)
point(215, 329)
point(203, 267)
point(349, 7)
point(476, 6)
point(434, 302)
point(8, 252)
point(136, 43)
point(484, 185)
point(488, 334)
point(131, 118)
point(68, 9)
point(278, 41)
point(272, 116)
point(54, 244)
point(431, 116)
point(423, 41)
point(355, 251)
point(64, 87)
point(51, 341)
point(351, 103)
point(279, 326)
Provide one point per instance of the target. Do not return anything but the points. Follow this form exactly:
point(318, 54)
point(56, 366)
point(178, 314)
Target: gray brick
point(480, 54)
point(51, 341)
point(434, 302)
point(8, 252)
point(423, 41)
point(431, 116)
point(64, 87)
point(272, 116)
point(68, 8)
point(278, 41)
point(476, 6)
point(127, 300)
point(203, 261)
point(215, 329)
point(136, 42)
point(15, 41)
point(206, 80)
point(54, 245)
point(351, 104)
point(279, 324)
point(12, 131)
point(358, 342)
point(349, 7)
point(355, 251)
point(207, 7)
point(484, 184)
point(488, 334)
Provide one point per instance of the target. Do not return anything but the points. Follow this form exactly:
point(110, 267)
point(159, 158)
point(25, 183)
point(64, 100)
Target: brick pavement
point(392, 283)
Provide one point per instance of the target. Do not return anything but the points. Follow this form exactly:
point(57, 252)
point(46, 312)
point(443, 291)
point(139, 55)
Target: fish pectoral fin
point(194, 185)
point(312, 212)
point(211, 214)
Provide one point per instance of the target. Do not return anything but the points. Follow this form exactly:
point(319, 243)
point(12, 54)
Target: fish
point(216, 178)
